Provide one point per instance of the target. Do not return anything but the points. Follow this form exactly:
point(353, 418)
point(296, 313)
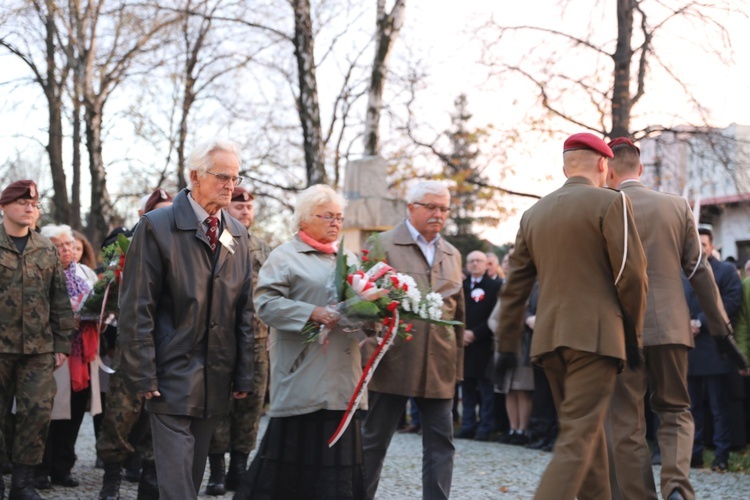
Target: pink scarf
point(329, 248)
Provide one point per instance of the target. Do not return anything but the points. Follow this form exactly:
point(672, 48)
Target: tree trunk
point(53, 92)
point(101, 206)
point(307, 100)
point(388, 28)
point(621, 98)
point(75, 190)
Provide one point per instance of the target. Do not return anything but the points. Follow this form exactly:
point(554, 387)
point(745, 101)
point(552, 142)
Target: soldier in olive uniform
point(124, 418)
point(36, 325)
point(238, 431)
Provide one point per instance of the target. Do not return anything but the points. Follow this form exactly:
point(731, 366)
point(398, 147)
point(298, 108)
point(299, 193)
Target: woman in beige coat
point(311, 382)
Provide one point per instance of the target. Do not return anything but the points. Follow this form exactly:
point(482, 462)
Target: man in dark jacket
point(480, 294)
point(186, 313)
point(708, 370)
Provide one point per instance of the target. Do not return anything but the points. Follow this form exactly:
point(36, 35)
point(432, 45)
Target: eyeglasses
point(471, 261)
point(330, 218)
point(28, 203)
point(430, 207)
point(66, 244)
point(224, 178)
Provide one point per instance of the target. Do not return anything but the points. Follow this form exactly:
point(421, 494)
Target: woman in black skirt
point(311, 382)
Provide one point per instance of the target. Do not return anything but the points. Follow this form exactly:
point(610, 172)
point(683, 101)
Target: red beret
point(17, 190)
point(624, 140)
point(156, 197)
point(584, 140)
point(241, 194)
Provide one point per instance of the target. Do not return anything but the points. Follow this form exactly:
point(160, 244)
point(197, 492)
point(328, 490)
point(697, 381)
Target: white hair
point(55, 231)
point(421, 189)
point(200, 158)
point(312, 197)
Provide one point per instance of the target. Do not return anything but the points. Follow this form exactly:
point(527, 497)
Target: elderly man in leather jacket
point(186, 333)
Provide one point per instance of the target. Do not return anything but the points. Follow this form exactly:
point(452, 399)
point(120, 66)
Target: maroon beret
point(25, 189)
point(624, 140)
point(584, 140)
point(241, 194)
point(156, 197)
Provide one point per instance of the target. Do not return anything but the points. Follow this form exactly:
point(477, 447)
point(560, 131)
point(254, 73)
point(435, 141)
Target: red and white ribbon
point(359, 390)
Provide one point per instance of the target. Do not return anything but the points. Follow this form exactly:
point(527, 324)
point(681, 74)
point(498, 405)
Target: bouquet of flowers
point(371, 292)
point(103, 298)
point(375, 292)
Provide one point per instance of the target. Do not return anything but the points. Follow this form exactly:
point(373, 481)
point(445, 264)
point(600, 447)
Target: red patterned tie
point(213, 231)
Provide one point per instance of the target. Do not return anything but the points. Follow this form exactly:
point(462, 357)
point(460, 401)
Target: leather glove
point(504, 361)
point(633, 356)
point(728, 347)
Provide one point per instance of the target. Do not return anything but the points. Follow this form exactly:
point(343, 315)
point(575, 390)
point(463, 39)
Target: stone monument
point(368, 208)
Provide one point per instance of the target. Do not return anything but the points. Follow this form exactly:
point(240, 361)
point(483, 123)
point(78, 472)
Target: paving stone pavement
point(482, 471)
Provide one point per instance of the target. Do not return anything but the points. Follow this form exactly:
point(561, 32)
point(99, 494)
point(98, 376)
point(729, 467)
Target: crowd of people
point(609, 308)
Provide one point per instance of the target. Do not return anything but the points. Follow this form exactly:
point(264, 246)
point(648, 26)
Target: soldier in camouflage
point(36, 326)
point(124, 413)
point(237, 432)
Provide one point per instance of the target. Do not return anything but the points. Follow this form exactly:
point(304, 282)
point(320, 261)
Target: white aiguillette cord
point(625, 236)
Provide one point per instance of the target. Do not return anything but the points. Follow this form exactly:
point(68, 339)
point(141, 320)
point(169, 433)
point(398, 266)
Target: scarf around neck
point(329, 248)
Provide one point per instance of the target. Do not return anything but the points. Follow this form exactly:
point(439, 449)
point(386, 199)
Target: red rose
point(365, 258)
point(392, 306)
point(365, 252)
point(409, 338)
point(409, 328)
point(394, 280)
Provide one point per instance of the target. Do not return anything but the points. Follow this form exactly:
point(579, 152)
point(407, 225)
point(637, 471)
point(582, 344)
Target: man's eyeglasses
point(28, 203)
point(224, 178)
point(430, 207)
point(330, 218)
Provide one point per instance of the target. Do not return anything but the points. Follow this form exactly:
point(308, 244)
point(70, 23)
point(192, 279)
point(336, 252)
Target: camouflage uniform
point(240, 428)
point(124, 409)
point(36, 321)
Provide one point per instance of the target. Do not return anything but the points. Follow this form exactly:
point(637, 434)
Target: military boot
point(148, 486)
point(237, 467)
point(111, 482)
point(22, 483)
point(215, 486)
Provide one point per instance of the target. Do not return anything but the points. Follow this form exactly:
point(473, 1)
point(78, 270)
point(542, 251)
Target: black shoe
point(720, 465)
point(7, 468)
point(465, 434)
point(65, 480)
point(518, 439)
point(656, 458)
point(41, 481)
point(675, 495)
point(148, 486)
point(484, 437)
point(237, 468)
point(537, 445)
point(696, 461)
point(215, 486)
point(22, 483)
point(111, 481)
point(505, 438)
point(549, 446)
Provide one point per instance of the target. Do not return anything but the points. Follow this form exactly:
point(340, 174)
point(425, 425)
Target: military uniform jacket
point(582, 243)
point(670, 240)
point(185, 326)
point(432, 362)
point(35, 312)
point(259, 251)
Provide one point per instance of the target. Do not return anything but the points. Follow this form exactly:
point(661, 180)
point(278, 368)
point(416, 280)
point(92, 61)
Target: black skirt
point(294, 461)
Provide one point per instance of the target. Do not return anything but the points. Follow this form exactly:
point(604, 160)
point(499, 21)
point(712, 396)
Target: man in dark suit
point(582, 243)
point(670, 241)
point(708, 370)
point(480, 294)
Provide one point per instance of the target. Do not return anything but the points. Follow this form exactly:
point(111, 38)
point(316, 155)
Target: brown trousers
point(582, 385)
point(666, 370)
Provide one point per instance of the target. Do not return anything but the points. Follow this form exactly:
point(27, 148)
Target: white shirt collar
point(428, 248)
